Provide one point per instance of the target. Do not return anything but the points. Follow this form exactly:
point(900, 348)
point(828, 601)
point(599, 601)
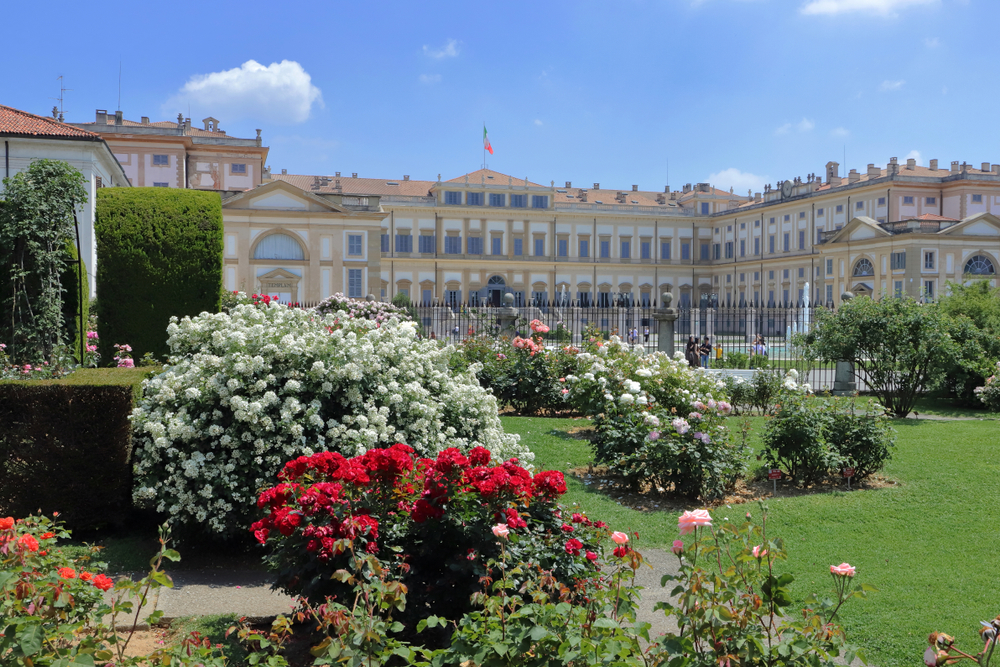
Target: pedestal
point(665, 318)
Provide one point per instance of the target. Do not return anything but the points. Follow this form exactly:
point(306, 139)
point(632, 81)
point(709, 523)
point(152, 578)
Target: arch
point(863, 267)
point(979, 265)
point(278, 246)
point(496, 280)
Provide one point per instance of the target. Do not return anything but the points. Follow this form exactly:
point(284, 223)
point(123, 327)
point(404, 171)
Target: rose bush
point(989, 393)
point(247, 390)
point(435, 520)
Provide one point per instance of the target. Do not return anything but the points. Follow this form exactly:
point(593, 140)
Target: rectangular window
point(898, 289)
point(802, 215)
point(930, 201)
point(161, 160)
point(743, 225)
point(563, 247)
point(756, 223)
point(743, 248)
point(907, 201)
point(929, 289)
point(716, 250)
point(829, 293)
point(785, 242)
point(665, 250)
point(475, 245)
point(519, 201)
point(354, 245)
point(685, 250)
point(770, 275)
point(819, 213)
point(756, 276)
point(644, 300)
point(404, 243)
point(771, 221)
point(238, 168)
point(497, 244)
point(626, 249)
point(454, 198)
point(819, 235)
point(539, 201)
point(770, 244)
point(427, 244)
point(605, 249)
point(756, 245)
point(840, 208)
point(426, 295)
point(385, 243)
point(802, 239)
point(453, 245)
point(644, 249)
point(539, 247)
point(860, 205)
point(784, 274)
point(729, 249)
point(157, 184)
point(453, 297)
point(929, 259)
point(354, 286)
point(881, 201)
point(704, 251)
point(584, 247)
point(898, 260)
point(743, 277)
point(977, 199)
point(770, 297)
point(498, 200)
point(787, 217)
point(474, 199)
point(704, 208)
point(518, 244)
point(829, 267)
point(784, 296)
point(802, 273)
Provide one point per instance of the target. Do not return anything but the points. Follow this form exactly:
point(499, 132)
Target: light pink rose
point(691, 520)
point(678, 546)
point(930, 657)
point(758, 552)
point(619, 537)
point(501, 530)
point(842, 570)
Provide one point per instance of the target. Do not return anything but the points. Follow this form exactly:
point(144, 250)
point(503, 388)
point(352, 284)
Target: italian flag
point(486, 141)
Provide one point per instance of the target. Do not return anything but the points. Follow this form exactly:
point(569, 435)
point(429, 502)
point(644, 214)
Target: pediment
point(859, 228)
point(279, 200)
point(980, 224)
point(280, 196)
point(861, 233)
point(278, 274)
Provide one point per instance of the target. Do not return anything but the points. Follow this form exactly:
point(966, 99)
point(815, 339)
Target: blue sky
point(735, 92)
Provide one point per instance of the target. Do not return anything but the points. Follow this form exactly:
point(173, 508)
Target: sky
point(737, 93)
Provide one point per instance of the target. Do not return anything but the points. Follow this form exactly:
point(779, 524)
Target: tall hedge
point(71, 277)
point(159, 253)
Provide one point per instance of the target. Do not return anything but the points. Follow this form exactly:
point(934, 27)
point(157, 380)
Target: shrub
point(66, 446)
point(989, 393)
point(361, 308)
point(812, 437)
point(433, 519)
point(247, 390)
point(159, 254)
point(759, 394)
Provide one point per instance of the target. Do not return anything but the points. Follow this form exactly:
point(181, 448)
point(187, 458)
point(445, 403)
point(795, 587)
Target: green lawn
point(930, 545)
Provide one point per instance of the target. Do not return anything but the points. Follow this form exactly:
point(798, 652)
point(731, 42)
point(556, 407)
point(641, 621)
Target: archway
point(495, 288)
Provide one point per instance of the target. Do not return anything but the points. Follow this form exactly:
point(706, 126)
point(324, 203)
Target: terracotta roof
point(931, 216)
point(163, 124)
point(15, 121)
point(492, 178)
point(356, 186)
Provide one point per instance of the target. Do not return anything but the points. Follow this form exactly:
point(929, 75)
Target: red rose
point(573, 547)
point(86, 576)
point(591, 556)
point(567, 528)
point(48, 536)
point(67, 573)
point(28, 542)
point(6, 523)
point(102, 582)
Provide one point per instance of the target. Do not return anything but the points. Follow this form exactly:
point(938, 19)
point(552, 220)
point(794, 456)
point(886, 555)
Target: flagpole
point(484, 145)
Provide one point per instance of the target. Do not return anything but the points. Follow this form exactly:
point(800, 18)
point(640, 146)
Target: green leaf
point(172, 555)
point(30, 640)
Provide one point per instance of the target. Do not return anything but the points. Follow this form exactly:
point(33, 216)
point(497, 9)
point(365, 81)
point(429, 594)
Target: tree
point(975, 312)
point(36, 224)
point(898, 346)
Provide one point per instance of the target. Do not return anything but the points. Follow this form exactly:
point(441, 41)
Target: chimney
point(996, 169)
point(635, 188)
point(873, 171)
point(986, 166)
point(583, 195)
point(832, 172)
point(892, 167)
point(661, 198)
point(102, 117)
point(673, 196)
point(406, 177)
point(666, 188)
point(853, 176)
point(145, 120)
point(569, 184)
point(284, 172)
point(933, 164)
point(118, 118)
point(756, 198)
point(911, 163)
point(687, 188)
point(180, 121)
point(965, 168)
point(338, 174)
point(704, 187)
point(354, 174)
point(954, 167)
point(620, 197)
point(597, 186)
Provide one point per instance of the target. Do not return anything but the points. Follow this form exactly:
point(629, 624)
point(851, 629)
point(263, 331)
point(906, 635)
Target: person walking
point(645, 334)
point(691, 352)
point(705, 352)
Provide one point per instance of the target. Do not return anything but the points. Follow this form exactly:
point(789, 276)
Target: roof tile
point(15, 121)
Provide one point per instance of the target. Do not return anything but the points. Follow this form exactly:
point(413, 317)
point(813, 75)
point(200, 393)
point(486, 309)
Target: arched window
point(864, 268)
point(496, 280)
point(279, 246)
point(979, 265)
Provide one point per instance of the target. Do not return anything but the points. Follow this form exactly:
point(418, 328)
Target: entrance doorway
point(495, 287)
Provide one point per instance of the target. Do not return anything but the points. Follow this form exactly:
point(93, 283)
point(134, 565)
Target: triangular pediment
point(280, 196)
point(859, 228)
point(980, 224)
point(278, 274)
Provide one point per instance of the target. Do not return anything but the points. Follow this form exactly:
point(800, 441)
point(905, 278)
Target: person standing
point(645, 334)
point(705, 352)
point(691, 352)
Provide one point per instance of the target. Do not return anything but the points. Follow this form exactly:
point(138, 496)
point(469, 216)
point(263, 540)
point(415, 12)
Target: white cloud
point(805, 125)
point(915, 154)
point(538, 122)
point(740, 181)
point(430, 78)
point(840, 132)
point(449, 50)
point(890, 86)
point(932, 42)
point(784, 129)
point(281, 93)
point(881, 7)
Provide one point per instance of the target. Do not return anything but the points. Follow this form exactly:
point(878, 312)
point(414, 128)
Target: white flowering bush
point(660, 423)
point(248, 390)
point(989, 393)
point(361, 308)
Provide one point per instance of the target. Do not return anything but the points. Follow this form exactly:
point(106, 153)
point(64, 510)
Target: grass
point(929, 544)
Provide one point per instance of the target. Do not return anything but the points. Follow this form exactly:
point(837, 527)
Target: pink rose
point(691, 520)
point(501, 530)
point(678, 546)
point(619, 537)
point(758, 552)
point(842, 570)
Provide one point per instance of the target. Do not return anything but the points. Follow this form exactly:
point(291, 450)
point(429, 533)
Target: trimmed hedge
point(70, 279)
point(159, 253)
point(66, 446)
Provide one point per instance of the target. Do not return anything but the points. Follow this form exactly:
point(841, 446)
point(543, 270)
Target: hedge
point(159, 253)
point(66, 446)
point(71, 300)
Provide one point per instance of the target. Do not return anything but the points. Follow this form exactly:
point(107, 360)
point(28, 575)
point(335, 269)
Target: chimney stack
point(338, 174)
point(145, 120)
point(986, 166)
point(102, 117)
point(354, 174)
point(284, 172)
point(934, 164)
point(635, 188)
point(954, 167)
point(406, 177)
point(118, 118)
point(873, 171)
point(911, 163)
point(853, 176)
point(832, 172)
point(996, 169)
point(597, 186)
point(756, 198)
point(569, 184)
